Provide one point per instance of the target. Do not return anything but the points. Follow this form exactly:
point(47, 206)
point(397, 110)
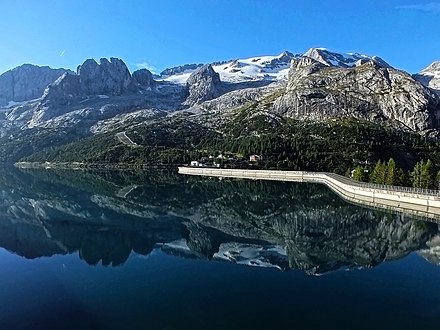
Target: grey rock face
point(65, 88)
point(27, 82)
point(368, 91)
point(203, 85)
point(108, 78)
point(143, 78)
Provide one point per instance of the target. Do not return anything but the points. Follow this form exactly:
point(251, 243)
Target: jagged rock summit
point(108, 78)
point(203, 85)
point(27, 82)
point(143, 78)
point(103, 80)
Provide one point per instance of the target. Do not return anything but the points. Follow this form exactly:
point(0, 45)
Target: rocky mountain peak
point(281, 60)
point(430, 76)
point(107, 78)
point(143, 78)
point(303, 66)
point(203, 84)
point(368, 91)
point(26, 82)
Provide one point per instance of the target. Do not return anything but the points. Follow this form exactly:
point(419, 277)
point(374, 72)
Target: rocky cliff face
point(143, 79)
point(104, 80)
point(368, 91)
point(107, 78)
point(27, 82)
point(203, 85)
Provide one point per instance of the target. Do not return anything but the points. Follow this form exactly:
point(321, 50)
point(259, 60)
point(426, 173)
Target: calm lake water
point(120, 250)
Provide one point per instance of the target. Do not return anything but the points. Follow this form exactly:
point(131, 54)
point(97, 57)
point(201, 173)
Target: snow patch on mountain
point(430, 76)
point(270, 68)
point(342, 60)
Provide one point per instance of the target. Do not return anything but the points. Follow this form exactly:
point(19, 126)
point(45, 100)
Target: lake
point(157, 250)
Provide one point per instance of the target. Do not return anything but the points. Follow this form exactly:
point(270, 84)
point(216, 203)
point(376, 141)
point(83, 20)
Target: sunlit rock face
point(367, 91)
point(109, 77)
point(203, 85)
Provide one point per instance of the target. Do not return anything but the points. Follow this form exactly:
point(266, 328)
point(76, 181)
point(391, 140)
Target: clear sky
point(164, 33)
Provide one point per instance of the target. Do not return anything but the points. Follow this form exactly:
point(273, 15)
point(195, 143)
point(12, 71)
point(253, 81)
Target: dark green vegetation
point(27, 142)
point(335, 146)
point(423, 175)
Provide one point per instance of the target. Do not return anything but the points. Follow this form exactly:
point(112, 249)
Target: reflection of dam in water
point(106, 216)
point(419, 202)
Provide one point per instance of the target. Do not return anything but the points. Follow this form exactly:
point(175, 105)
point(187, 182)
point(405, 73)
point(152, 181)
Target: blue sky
point(164, 33)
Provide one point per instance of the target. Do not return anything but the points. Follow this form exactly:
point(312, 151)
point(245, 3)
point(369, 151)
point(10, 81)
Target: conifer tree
point(391, 173)
point(359, 173)
point(378, 173)
point(422, 175)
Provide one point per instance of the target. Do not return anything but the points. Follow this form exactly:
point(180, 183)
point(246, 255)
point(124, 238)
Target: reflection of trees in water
point(57, 212)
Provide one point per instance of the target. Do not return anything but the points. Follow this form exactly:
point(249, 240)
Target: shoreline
point(89, 166)
point(419, 202)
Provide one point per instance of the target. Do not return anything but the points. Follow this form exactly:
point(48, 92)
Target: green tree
point(422, 176)
point(401, 177)
point(391, 177)
point(359, 173)
point(378, 174)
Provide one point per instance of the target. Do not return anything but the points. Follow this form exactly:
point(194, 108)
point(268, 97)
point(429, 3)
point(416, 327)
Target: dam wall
point(422, 202)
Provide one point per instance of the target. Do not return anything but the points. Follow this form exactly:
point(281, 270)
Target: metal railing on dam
point(422, 202)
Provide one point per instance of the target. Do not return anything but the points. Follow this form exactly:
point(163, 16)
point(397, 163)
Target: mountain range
point(42, 109)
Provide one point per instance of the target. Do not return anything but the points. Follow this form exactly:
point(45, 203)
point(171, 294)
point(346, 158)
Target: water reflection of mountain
point(107, 215)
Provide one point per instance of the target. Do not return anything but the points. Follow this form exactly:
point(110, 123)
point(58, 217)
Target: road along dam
point(420, 202)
